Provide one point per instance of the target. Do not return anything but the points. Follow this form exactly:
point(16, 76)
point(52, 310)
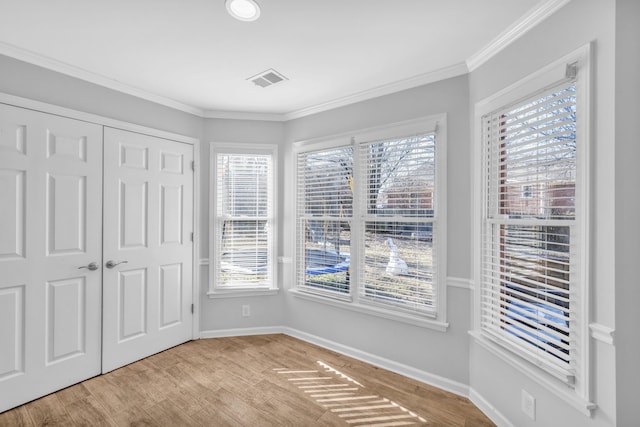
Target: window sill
point(372, 310)
point(550, 383)
point(238, 293)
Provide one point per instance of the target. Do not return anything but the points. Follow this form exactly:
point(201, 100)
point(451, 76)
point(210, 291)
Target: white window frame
point(216, 291)
point(354, 300)
point(578, 394)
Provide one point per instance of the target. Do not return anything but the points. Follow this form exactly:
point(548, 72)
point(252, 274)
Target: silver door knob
point(111, 263)
point(91, 266)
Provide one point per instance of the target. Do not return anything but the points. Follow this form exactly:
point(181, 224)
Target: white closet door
point(50, 227)
point(148, 220)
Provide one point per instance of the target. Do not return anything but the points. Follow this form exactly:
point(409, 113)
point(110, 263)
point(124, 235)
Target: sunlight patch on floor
point(348, 399)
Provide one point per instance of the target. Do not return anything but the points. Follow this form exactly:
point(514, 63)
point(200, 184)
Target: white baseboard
point(390, 365)
point(488, 409)
point(381, 362)
point(241, 332)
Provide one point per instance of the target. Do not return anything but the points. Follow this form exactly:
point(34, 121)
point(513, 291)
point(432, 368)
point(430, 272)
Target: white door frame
point(17, 101)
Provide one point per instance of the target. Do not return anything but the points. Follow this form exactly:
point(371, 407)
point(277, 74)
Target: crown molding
point(536, 15)
point(242, 115)
point(91, 77)
point(419, 80)
point(539, 13)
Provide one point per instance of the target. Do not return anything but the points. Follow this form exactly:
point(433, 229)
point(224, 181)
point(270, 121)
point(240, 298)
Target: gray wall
point(572, 27)
point(627, 148)
point(36, 83)
point(440, 353)
point(223, 314)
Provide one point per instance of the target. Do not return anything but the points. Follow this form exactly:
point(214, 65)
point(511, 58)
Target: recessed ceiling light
point(243, 10)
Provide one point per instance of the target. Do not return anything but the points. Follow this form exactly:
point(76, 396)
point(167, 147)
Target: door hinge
point(193, 308)
point(192, 236)
point(193, 165)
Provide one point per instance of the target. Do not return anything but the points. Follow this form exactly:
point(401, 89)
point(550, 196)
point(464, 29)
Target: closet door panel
point(50, 228)
point(148, 220)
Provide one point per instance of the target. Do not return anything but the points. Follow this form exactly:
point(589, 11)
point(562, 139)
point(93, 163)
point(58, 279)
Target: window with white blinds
point(396, 252)
point(367, 220)
point(324, 213)
point(531, 232)
point(244, 221)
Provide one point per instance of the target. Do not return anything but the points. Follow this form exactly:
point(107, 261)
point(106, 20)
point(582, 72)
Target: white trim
point(381, 362)
point(387, 89)
point(372, 310)
point(460, 283)
point(243, 332)
point(244, 115)
point(424, 124)
point(195, 251)
point(532, 371)
point(44, 107)
point(602, 333)
point(236, 293)
point(539, 13)
point(95, 78)
point(488, 409)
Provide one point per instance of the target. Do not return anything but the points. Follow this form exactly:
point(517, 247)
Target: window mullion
point(357, 231)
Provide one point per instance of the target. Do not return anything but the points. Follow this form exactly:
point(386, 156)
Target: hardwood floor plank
point(134, 417)
point(18, 417)
point(267, 380)
point(113, 398)
point(72, 394)
point(89, 412)
point(49, 411)
point(164, 413)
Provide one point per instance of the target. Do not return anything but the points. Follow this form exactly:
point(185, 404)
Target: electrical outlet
point(246, 310)
point(528, 404)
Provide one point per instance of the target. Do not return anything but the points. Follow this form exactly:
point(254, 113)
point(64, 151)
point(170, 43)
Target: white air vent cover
point(267, 78)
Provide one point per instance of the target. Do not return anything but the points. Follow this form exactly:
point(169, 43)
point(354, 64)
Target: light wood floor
point(269, 380)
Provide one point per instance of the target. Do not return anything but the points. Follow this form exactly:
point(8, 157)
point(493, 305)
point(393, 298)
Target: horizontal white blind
point(324, 211)
point(533, 157)
point(244, 218)
point(397, 252)
point(529, 238)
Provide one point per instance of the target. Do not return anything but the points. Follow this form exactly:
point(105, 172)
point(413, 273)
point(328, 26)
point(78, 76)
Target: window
point(243, 235)
point(396, 256)
point(376, 249)
point(533, 232)
point(325, 207)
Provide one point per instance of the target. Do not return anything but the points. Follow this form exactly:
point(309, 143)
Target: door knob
point(111, 263)
point(91, 266)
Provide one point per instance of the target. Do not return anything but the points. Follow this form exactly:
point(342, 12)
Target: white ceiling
point(190, 54)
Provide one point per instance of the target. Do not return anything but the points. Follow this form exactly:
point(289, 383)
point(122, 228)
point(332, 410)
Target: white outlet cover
point(528, 404)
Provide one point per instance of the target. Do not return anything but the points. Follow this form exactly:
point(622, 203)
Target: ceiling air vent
point(267, 78)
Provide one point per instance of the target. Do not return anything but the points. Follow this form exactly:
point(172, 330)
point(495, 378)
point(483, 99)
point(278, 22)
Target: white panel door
point(148, 221)
point(50, 227)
